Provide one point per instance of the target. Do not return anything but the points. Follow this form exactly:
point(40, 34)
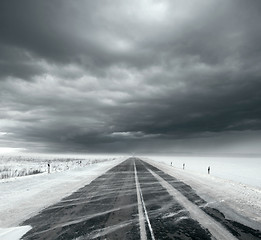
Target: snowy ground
point(23, 197)
point(17, 166)
point(240, 202)
point(239, 169)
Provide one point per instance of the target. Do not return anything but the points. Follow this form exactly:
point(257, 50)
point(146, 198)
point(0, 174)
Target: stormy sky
point(139, 76)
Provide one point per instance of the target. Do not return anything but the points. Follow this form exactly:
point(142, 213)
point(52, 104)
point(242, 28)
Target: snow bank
point(24, 197)
point(14, 233)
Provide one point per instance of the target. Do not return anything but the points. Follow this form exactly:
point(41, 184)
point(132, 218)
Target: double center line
point(142, 210)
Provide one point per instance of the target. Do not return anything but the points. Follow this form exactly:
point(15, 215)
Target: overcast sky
point(139, 76)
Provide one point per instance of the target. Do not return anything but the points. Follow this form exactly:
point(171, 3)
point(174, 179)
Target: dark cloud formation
point(130, 76)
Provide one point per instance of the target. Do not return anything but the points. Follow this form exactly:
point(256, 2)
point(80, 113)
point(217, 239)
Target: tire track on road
point(239, 230)
point(169, 219)
point(218, 231)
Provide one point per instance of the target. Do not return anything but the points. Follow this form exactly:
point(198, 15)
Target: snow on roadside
point(14, 233)
point(239, 202)
point(24, 197)
point(17, 166)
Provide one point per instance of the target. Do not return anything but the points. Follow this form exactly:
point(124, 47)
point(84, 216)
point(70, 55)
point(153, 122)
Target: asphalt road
point(135, 200)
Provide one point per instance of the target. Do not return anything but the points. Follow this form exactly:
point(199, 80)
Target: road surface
point(135, 200)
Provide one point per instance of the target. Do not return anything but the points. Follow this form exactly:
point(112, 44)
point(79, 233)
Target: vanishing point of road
point(135, 200)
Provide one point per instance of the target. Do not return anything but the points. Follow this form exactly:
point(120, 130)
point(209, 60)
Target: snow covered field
point(229, 191)
point(17, 166)
point(239, 169)
point(240, 202)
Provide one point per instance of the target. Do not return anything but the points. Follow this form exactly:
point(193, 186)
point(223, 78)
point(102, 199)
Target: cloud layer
point(130, 76)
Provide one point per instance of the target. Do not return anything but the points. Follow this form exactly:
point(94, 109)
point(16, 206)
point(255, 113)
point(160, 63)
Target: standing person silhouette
point(208, 169)
point(183, 166)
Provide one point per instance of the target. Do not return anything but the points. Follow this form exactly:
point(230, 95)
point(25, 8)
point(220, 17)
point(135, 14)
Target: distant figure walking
point(171, 164)
point(183, 166)
point(209, 170)
point(49, 168)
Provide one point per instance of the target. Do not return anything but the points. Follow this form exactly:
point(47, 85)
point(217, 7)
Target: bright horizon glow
point(7, 150)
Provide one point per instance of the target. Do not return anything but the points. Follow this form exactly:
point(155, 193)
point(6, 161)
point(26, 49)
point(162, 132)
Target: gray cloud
point(129, 76)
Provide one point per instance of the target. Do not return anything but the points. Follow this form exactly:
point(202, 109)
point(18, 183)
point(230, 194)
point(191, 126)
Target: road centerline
point(141, 202)
point(143, 235)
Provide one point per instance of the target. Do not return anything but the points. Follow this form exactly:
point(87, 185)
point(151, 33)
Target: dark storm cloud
point(18, 63)
point(79, 32)
point(129, 75)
